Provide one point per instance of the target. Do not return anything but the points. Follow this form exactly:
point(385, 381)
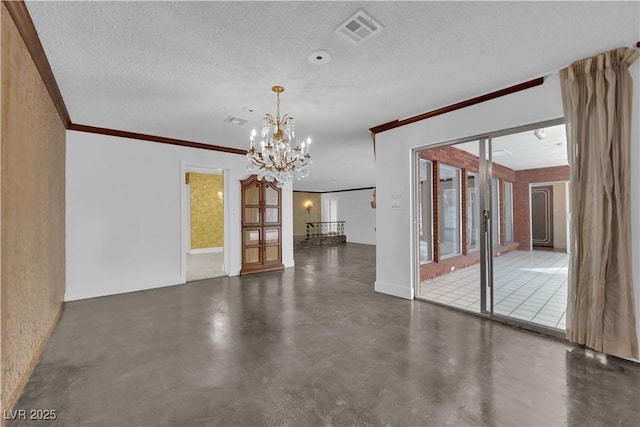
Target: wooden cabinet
point(261, 226)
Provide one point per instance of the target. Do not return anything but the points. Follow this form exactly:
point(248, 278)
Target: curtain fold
point(597, 95)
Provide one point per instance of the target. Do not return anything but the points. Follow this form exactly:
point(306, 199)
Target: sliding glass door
point(474, 222)
point(449, 226)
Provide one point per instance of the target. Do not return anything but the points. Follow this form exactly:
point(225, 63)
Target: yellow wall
point(32, 220)
point(207, 214)
point(300, 214)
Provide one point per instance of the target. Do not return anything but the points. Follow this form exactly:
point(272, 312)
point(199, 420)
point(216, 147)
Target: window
point(449, 211)
point(508, 212)
point(473, 212)
point(425, 204)
point(495, 212)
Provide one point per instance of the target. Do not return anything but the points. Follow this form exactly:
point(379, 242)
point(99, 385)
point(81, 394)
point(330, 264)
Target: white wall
point(354, 208)
point(394, 252)
point(123, 215)
point(394, 164)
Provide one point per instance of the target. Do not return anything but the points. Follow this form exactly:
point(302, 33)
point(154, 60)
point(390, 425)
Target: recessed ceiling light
point(319, 57)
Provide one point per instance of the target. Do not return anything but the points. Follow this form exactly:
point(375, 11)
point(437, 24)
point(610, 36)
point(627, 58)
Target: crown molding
point(22, 19)
point(457, 106)
point(154, 138)
point(334, 191)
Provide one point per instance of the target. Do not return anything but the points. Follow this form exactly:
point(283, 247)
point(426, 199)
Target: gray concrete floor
point(313, 345)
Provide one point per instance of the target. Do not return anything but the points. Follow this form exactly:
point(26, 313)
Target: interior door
point(542, 216)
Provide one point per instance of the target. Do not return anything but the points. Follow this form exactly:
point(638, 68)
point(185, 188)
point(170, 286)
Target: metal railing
point(325, 229)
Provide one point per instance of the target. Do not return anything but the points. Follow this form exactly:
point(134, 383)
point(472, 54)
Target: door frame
point(415, 235)
point(185, 213)
point(567, 211)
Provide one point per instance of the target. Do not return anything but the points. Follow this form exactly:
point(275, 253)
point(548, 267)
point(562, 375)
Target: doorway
point(476, 229)
point(204, 242)
point(542, 216)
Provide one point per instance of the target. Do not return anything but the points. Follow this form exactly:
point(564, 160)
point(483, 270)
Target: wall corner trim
point(13, 398)
point(394, 290)
point(20, 15)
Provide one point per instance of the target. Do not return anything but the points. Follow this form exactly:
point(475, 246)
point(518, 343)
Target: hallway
point(313, 345)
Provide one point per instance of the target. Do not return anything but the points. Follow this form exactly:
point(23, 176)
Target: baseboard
point(108, 292)
point(13, 398)
point(396, 291)
point(205, 250)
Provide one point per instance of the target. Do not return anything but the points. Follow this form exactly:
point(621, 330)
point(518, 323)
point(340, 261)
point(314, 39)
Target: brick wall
point(521, 179)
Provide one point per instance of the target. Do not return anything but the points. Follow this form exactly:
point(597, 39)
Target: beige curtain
point(597, 95)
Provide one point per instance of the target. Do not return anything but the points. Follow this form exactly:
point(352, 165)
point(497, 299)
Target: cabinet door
point(252, 246)
point(251, 205)
point(272, 248)
point(271, 205)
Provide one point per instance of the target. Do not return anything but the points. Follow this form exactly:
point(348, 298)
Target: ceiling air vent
point(235, 120)
point(359, 28)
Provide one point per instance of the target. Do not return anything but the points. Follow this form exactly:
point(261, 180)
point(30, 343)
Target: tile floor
point(530, 286)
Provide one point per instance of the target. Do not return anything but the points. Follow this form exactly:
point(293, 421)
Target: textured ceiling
point(178, 69)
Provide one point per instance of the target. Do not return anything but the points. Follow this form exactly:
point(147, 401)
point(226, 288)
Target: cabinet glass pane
point(271, 215)
point(252, 255)
point(271, 196)
point(252, 215)
point(272, 235)
point(252, 237)
point(271, 253)
point(252, 195)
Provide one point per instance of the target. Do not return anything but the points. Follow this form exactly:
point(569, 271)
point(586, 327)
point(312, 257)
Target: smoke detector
point(359, 28)
point(319, 57)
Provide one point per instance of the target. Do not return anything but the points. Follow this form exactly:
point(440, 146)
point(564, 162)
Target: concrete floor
point(314, 345)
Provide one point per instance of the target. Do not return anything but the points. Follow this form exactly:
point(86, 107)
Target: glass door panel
point(271, 196)
point(252, 195)
point(271, 215)
point(530, 283)
point(251, 215)
point(252, 241)
point(448, 225)
point(272, 244)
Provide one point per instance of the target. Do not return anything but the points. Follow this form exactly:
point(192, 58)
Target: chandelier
point(275, 158)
